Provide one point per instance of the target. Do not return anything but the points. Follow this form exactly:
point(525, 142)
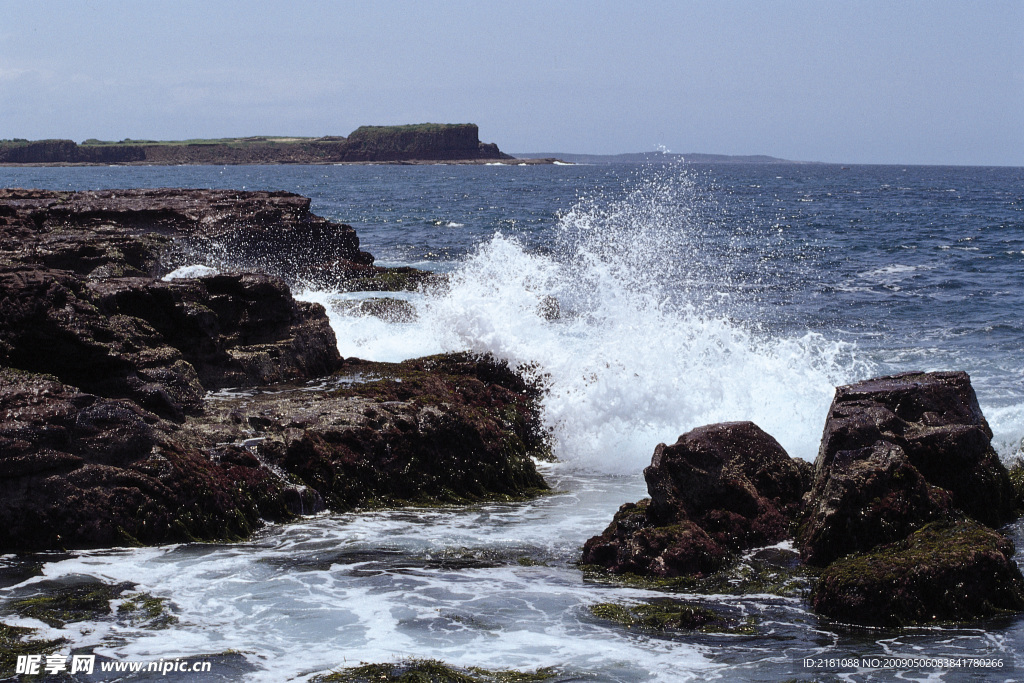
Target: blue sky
point(859, 82)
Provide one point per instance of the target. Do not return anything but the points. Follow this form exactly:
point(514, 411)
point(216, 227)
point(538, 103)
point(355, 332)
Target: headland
point(425, 143)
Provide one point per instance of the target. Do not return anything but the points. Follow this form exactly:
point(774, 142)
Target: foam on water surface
point(625, 320)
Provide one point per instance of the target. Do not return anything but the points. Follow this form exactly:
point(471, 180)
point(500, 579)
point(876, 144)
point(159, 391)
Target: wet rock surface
point(150, 232)
point(108, 432)
point(947, 571)
point(718, 490)
point(898, 507)
point(897, 452)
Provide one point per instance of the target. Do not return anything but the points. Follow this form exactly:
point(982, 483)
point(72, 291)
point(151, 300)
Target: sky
point(904, 82)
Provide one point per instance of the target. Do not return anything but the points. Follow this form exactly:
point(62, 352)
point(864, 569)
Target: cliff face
point(422, 142)
point(67, 152)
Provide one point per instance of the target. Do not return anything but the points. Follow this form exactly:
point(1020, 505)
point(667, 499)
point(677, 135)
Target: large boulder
point(438, 429)
point(718, 490)
point(948, 571)
point(161, 344)
point(898, 452)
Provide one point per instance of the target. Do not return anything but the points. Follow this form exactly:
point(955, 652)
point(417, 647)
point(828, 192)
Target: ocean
point(687, 294)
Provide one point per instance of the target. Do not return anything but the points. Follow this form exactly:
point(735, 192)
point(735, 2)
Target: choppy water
point(687, 295)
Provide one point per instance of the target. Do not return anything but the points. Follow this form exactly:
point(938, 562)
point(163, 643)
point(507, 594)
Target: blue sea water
point(689, 294)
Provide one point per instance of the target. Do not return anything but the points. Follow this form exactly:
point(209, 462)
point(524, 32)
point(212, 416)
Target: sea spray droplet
point(639, 354)
point(647, 343)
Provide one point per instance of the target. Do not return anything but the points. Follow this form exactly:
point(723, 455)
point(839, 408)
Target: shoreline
point(405, 162)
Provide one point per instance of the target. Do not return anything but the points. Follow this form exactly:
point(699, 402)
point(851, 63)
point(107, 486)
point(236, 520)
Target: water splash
point(645, 349)
point(644, 345)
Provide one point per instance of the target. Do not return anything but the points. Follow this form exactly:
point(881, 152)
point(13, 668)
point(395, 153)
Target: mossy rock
point(13, 644)
point(946, 572)
point(429, 671)
point(145, 611)
point(63, 603)
point(769, 572)
point(1016, 472)
point(670, 615)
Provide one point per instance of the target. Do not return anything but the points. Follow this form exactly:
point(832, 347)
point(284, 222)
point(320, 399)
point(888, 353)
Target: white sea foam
point(638, 354)
point(191, 271)
point(1007, 423)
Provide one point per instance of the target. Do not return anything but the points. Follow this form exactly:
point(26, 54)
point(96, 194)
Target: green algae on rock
point(947, 571)
point(143, 610)
point(671, 615)
point(61, 603)
point(430, 671)
point(13, 644)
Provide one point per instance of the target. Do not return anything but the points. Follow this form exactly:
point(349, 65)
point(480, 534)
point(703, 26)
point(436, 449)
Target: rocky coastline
point(141, 410)
point(428, 143)
point(894, 525)
point(138, 408)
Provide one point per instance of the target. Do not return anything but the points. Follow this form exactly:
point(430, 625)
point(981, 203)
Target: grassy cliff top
point(257, 139)
point(361, 132)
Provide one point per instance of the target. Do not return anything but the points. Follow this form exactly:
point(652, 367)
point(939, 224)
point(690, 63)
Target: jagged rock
point(897, 452)
point(79, 470)
point(718, 490)
point(161, 343)
point(945, 572)
point(633, 544)
point(151, 232)
point(436, 429)
point(236, 330)
point(108, 434)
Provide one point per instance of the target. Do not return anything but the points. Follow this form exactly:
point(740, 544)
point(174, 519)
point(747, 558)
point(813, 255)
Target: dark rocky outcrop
point(718, 490)
point(425, 141)
point(903, 487)
point(108, 432)
point(896, 453)
point(437, 429)
point(150, 232)
point(947, 571)
point(429, 142)
point(80, 470)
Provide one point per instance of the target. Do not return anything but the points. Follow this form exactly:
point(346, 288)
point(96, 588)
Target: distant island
point(648, 157)
point(419, 143)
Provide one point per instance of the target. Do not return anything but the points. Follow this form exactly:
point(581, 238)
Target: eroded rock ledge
point(895, 518)
point(109, 434)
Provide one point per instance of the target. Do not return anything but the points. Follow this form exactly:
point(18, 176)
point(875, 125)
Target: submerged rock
point(387, 309)
point(897, 452)
point(671, 615)
point(718, 490)
point(947, 571)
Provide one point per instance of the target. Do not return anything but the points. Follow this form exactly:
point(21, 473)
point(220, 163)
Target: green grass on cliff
point(370, 131)
point(241, 142)
point(363, 132)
